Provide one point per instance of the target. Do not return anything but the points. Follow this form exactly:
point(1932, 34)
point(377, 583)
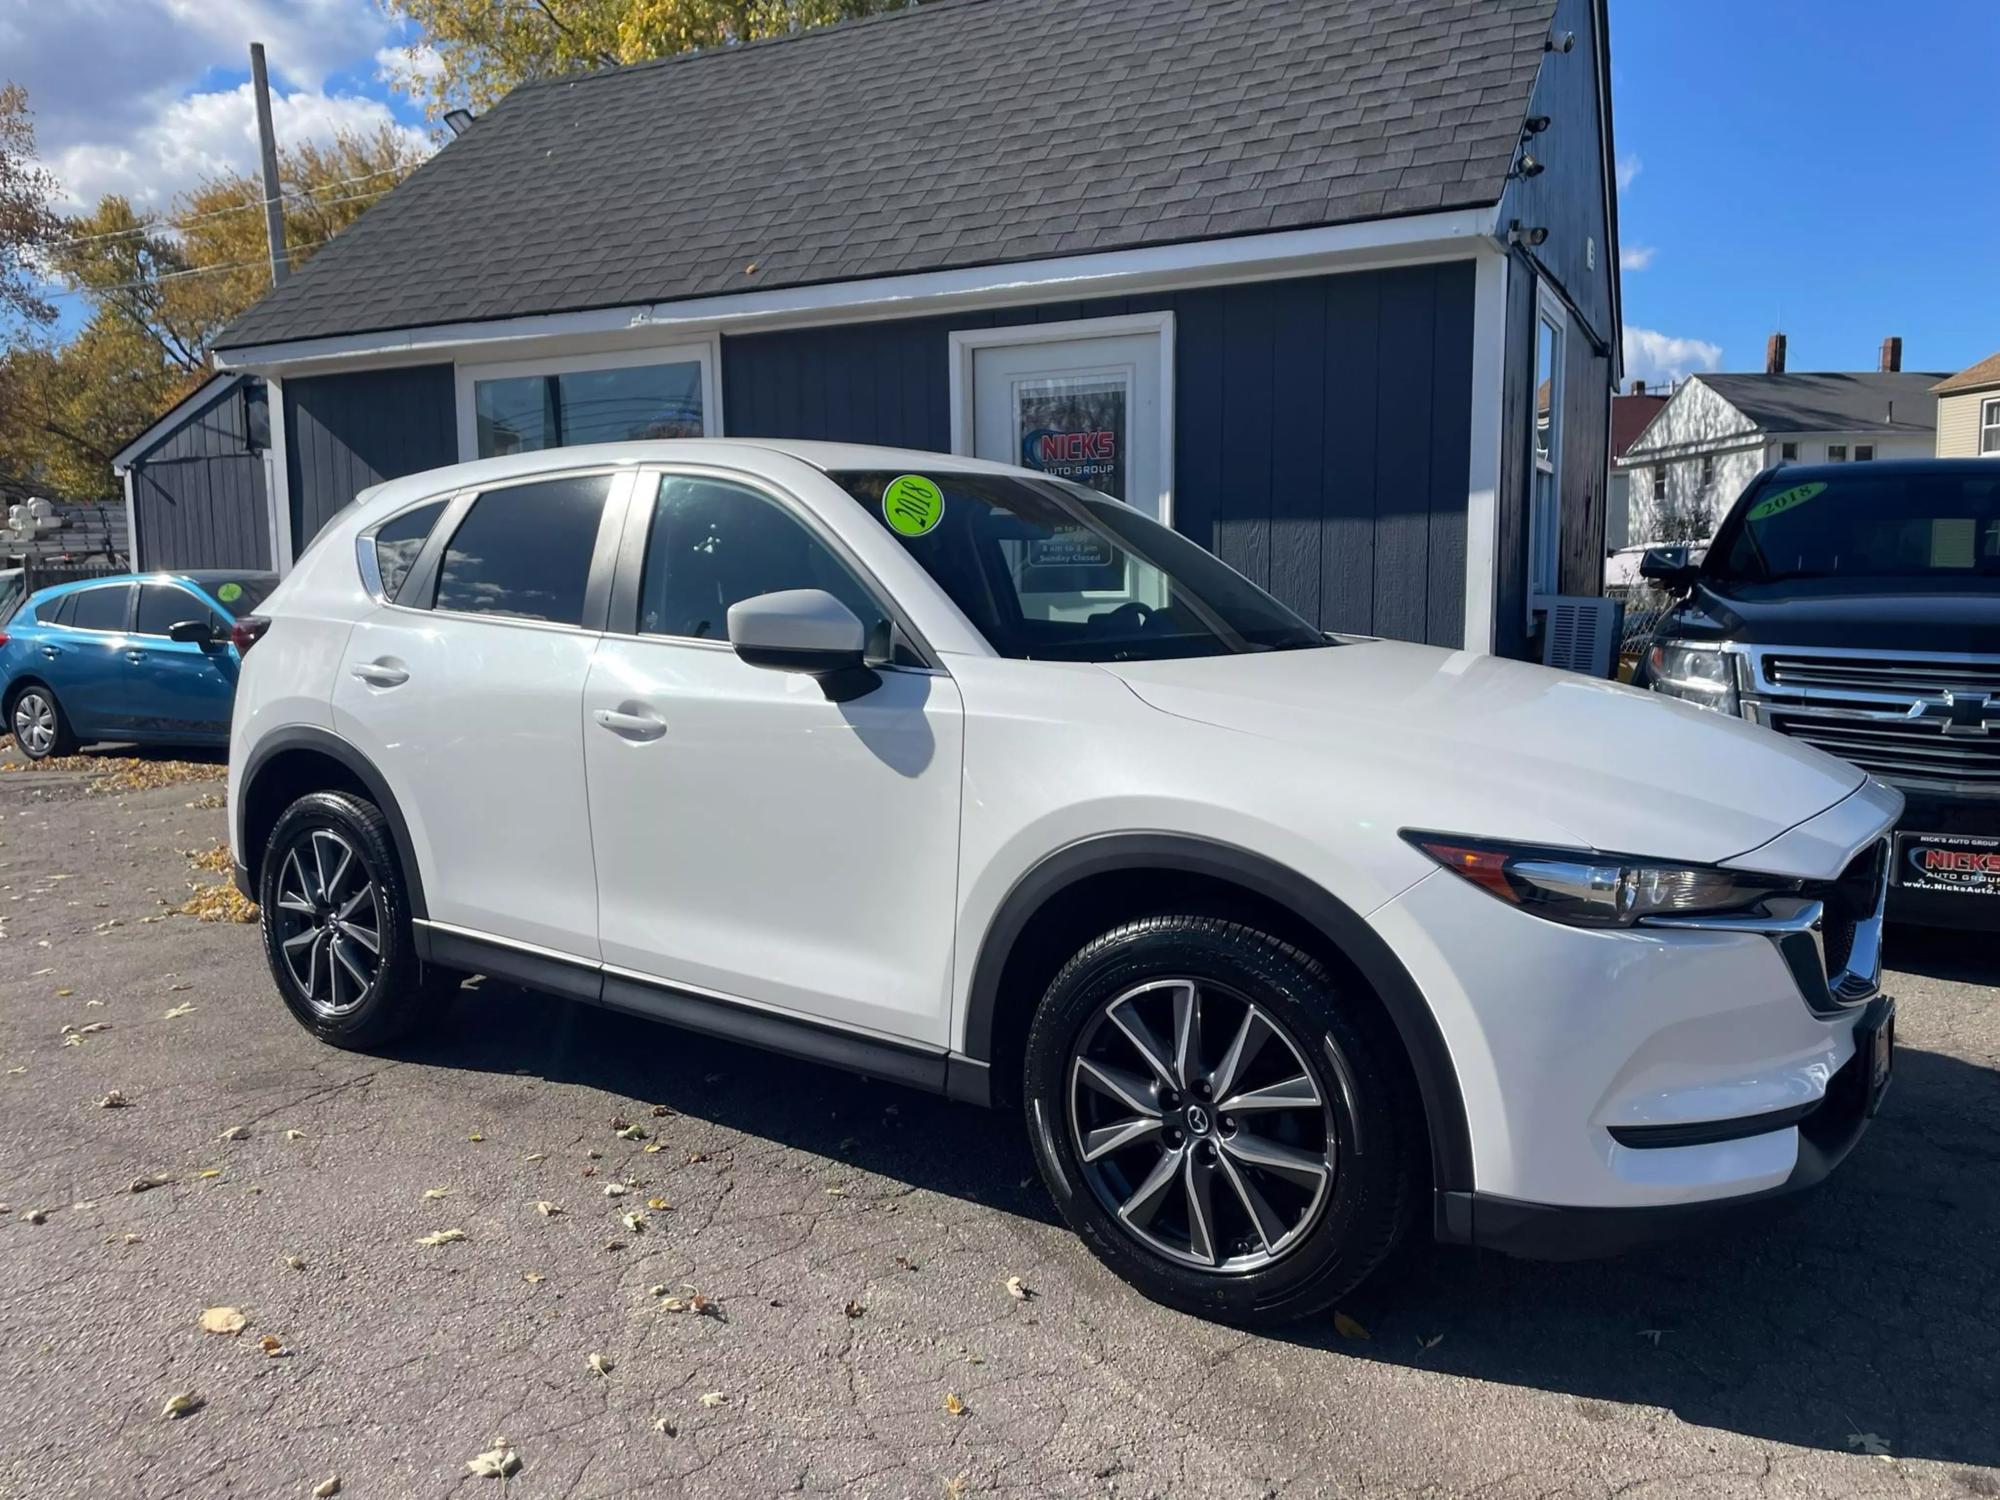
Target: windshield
point(239, 594)
point(1051, 571)
point(1935, 527)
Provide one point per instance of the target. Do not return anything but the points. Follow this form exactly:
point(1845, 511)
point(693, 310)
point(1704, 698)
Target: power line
point(150, 281)
point(256, 205)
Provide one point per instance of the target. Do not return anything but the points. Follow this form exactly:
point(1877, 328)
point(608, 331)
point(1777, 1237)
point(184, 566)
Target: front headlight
point(1702, 675)
point(1586, 889)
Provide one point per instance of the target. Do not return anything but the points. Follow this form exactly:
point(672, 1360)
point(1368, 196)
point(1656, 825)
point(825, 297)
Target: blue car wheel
point(40, 728)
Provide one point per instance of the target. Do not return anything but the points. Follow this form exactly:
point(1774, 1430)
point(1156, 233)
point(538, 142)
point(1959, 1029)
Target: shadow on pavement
point(1871, 1307)
point(1941, 953)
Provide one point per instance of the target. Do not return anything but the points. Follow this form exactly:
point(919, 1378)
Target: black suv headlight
point(1587, 889)
point(1694, 673)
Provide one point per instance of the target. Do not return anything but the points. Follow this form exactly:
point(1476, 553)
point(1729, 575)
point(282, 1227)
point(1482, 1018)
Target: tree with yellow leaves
point(471, 52)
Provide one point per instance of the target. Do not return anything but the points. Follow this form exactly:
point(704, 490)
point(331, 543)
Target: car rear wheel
point(40, 728)
point(336, 924)
point(1199, 1097)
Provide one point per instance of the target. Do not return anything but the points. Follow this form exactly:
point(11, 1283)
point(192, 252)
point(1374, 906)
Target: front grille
point(1860, 707)
point(1847, 901)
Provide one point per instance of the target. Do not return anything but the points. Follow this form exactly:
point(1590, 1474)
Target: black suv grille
point(1929, 721)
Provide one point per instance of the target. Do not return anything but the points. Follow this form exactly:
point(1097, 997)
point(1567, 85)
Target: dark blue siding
point(199, 495)
point(1321, 426)
point(346, 432)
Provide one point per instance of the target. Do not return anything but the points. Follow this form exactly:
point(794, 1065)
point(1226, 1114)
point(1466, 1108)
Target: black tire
point(1339, 1230)
point(314, 956)
point(64, 741)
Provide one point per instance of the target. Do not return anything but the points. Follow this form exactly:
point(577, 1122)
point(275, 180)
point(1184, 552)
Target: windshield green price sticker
point(912, 505)
point(229, 593)
point(1783, 501)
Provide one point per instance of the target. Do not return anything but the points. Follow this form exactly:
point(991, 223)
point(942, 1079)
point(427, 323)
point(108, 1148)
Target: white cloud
point(203, 136)
point(1657, 358)
point(397, 66)
point(1635, 257)
point(1629, 167)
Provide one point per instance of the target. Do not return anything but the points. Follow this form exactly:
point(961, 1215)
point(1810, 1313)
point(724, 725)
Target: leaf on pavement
point(443, 1237)
point(64, 994)
point(295, 1262)
point(223, 1320)
point(182, 1405)
point(636, 1223)
point(632, 1133)
point(601, 1365)
point(113, 1100)
point(477, 1135)
point(149, 1181)
point(273, 1347)
point(660, 1111)
point(533, 1278)
point(615, 1190)
point(1347, 1328)
point(855, 1308)
point(658, 1205)
point(327, 1488)
point(494, 1463)
point(437, 1192)
point(36, 1216)
point(953, 1406)
point(1018, 1289)
point(235, 1133)
point(547, 1209)
point(295, 1135)
point(715, 1398)
point(185, 1008)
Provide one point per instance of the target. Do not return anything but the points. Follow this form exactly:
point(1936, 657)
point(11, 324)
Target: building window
point(1863, 452)
point(1545, 500)
point(1788, 453)
point(1659, 484)
point(1989, 425)
point(559, 403)
point(1836, 453)
point(1707, 470)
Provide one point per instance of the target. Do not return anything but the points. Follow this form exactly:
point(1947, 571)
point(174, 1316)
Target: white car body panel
point(844, 863)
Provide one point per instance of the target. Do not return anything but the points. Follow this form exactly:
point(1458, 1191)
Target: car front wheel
point(39, 726)
point(336, 923)
point(1221, 1125)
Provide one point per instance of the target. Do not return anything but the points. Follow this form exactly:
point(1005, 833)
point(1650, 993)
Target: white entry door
point(1080, 405)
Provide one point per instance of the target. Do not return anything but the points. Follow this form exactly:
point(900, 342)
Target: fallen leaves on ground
point(856, 1308)
point(602, 1366)
point(1018, 1289)
point(273, 1347)
point(615, 1190)
point(184, 1404)
point(223, 1320)
point(715, 1398)
point(36, 1216)
point(437, 1192)
point(218, 903)
point(185, 1008)
point(327, 1488)
point(1347, 1328)
point(547, 1209)
point(636, 1223)
point(216, 859)
point(632, 1133)
point(658, 1205)
point(494, 1463)
point(113, 1100)
point(295, 1263)
point(235, 1133)
point(443, 1237)
point(295, 1135)
point(955, 1487)
point(953, 1406)
point(147, 1182)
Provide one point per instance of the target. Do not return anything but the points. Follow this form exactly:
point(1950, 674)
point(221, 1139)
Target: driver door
point(755, 840)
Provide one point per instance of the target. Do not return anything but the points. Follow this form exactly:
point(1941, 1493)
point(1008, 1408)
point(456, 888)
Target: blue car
point(149, 659)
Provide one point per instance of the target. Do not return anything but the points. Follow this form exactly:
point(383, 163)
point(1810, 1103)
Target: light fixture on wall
point(1534, 125)
point(1516, 235)
point(1530, 166)
point(1560, 43)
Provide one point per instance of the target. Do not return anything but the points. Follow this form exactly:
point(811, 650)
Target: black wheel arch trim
point(331, 745)
point(1344, 928)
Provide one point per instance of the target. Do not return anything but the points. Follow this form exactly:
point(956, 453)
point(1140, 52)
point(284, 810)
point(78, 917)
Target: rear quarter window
point(399, 540)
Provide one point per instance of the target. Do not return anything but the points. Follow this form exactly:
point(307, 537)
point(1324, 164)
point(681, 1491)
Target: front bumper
point(1549, 1231)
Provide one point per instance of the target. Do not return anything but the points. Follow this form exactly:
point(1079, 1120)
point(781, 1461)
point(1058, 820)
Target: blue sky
point(1824, 166)
point(1827, 166)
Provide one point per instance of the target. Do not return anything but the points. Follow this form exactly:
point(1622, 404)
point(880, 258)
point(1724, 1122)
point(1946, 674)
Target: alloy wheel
point(35, 723)
point(1199, 1126)
point(330, 917)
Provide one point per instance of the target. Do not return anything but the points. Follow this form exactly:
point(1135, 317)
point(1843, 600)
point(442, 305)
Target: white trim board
point(706, 352)
point(1455, 235)
point(965, 342)
point(278, 478)
point(1482, 482)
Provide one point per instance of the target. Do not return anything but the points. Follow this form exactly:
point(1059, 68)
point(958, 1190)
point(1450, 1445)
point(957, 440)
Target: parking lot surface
point(816, 1299)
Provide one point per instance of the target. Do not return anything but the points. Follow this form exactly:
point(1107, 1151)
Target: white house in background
point(1968, 416)
point(1719, 431)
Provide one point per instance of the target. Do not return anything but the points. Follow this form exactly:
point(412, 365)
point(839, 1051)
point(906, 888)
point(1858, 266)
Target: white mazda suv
point(968, 777)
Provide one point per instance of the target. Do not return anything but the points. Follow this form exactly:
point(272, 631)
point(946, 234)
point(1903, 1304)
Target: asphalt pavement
point(815, 1296)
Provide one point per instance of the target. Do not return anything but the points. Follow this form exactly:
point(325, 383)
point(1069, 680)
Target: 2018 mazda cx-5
point(960, 775)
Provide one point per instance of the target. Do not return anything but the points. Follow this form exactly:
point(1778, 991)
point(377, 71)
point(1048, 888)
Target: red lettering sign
point(1962, 862)
point(1073, 447)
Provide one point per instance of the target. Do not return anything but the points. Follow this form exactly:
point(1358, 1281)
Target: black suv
point(1857, 607)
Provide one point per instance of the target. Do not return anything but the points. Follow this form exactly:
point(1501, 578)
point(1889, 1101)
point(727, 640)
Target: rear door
point(178, 689)
point(85, 661)
point(465, 687)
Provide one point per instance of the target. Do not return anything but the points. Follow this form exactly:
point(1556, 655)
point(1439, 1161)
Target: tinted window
point(48, 610)
point(525, 551)
point(1048, 569)
point(398, 542)
point(714, 543)
point(1940, 526)
point(101, 609)
point(162, 606)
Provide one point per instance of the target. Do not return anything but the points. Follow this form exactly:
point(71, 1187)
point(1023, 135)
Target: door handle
point(135, 655)
point(380, 674)
point(52, 652)
point(632, 726)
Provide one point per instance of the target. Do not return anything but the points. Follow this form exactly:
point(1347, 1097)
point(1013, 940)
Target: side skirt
point(932, 1070)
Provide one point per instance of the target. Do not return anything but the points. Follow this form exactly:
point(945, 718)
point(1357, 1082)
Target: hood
point(1863, 614)
point(1528, 752)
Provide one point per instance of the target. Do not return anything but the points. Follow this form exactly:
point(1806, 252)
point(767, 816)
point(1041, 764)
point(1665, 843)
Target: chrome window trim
point(364, 540)
point(131, 599)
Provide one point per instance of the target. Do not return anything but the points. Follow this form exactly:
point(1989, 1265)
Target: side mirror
point(804, 630)
point(1668, 566)
point(192, 633)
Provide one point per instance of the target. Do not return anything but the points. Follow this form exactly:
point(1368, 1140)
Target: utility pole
point(267, 143)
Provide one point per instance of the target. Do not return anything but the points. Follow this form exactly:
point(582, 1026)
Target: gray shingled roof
point(1857, 402)
point(966, 132)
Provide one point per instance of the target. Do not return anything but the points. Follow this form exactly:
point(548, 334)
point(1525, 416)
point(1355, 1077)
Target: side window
point(162, 606)
point(101, 609)
point(713, 543)
point(398, 541)
point(47, 612)
point(525, 551)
